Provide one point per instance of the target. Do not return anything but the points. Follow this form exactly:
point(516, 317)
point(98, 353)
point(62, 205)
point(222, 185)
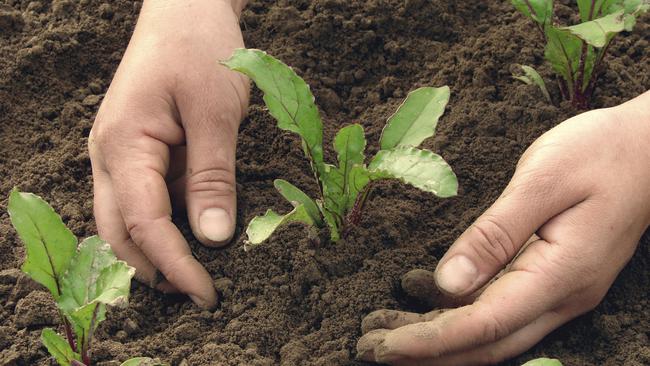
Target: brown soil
point(292, 302)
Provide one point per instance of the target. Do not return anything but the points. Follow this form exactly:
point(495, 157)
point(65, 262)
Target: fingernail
point(203, 303)
point(457, 275)
point(215, 224)
point(199, 301)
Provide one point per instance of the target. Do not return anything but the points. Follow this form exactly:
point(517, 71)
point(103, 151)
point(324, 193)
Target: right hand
point(166, 132)
point(582, 188)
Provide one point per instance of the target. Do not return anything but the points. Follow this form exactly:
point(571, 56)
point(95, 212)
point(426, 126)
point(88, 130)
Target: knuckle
point(138, 227)
point(101, 136)
point(492, 241)
point(217, 180)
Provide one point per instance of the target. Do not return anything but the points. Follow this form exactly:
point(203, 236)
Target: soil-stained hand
point(166, 133)
point(583, 189)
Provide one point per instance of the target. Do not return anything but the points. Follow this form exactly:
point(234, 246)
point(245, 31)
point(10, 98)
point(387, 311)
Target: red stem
point(354, 217)
point(68, 333)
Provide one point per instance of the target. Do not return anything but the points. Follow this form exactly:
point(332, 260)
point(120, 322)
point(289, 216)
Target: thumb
point(210, 187)
point(536, 193)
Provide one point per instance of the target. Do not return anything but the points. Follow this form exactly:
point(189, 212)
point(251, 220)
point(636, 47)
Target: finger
point(531, 198)
point(111, 227)
point(211, 135)
point(506, 306)
point(420, 285)
point(493, 353)
point(144, 202)
point(510, 346)
point(367, 344)
point(392, 319)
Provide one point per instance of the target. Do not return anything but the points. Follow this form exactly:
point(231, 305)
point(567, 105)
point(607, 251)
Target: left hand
point(583, 189)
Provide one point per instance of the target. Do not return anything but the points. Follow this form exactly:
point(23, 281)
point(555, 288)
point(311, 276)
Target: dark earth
point(292, 301)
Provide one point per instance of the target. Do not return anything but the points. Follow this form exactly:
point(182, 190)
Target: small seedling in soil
point(344, 188)
point(82, 279)
point(576, 52)
point(543, 362)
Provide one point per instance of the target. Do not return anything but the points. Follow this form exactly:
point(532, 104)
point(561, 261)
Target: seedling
point(576, 52)
point(82, 279)
point(344, 188)
point(543, 362)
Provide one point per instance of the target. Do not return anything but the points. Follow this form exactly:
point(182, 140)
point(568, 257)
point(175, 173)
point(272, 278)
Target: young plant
point(82, 279)
point(543, 362)
point(576, 52)
point(344, 188)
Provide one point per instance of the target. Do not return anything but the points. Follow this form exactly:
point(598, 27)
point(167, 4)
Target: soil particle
point(37, 308)
point(227, 355)
point(10, 19)
point(420, 285)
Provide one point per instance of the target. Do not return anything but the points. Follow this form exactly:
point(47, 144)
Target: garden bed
point(291, 301)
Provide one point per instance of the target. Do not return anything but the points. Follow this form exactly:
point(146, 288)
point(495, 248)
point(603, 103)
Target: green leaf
point(540, 11)
point(296, 197)
point(58, 347)
point(359, 179)
point(49, 244)
point(95, 276)
point(416, 119)
point(598, 32)
point(585, 8)
point(334, 191)
point(532, 77)
point(141, 361)
point(634, 7)
point(350, 144)
point(332, 223)
point(261, 227)
point(590, 63)
point(563, 53)
point(543, 362)
point(86, 319)
point(95, 279)
point(419, 168)
point(287, 96)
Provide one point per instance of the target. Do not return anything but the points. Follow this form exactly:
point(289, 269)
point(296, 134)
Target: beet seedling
point(344, 188)
point(543, 362)
point(82, 279)
point(576, 52)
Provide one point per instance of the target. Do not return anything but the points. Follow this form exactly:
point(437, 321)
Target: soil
point(291, 301)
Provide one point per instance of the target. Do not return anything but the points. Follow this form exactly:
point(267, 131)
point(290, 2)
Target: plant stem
point(578, 90)
point(563, 88)
point(591, 9)
point(532, 11)
point(86, 346)
point(354, 217)
point(581, 92)
point(68, 332)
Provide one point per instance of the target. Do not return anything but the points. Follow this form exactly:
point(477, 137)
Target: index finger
point(144, 202)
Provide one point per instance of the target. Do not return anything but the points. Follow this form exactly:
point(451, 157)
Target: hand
point(583, 189)
point(169, 91)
